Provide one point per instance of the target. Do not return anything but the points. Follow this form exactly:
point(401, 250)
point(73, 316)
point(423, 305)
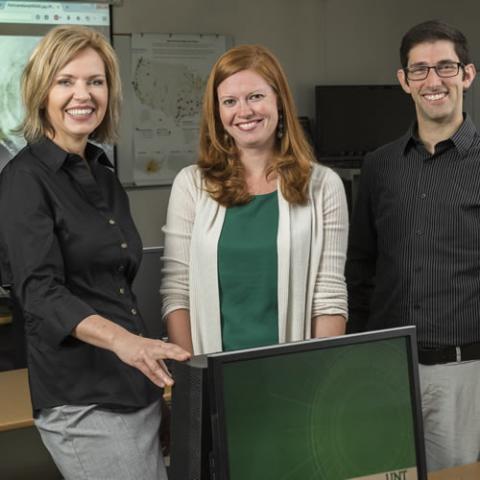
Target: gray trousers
point(87, 442)
point(451, 413)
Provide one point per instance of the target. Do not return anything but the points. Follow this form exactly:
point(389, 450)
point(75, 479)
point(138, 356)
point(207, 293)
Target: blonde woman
point(69, 247)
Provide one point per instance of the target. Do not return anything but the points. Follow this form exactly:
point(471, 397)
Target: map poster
point(169, 74)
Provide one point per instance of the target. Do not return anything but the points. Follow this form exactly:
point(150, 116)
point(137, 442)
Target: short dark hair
point(432, 31)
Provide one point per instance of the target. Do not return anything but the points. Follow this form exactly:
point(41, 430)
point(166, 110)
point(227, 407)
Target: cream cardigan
point(312, 242)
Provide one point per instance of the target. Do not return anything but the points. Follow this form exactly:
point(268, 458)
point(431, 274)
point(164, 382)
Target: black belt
point(449, 354)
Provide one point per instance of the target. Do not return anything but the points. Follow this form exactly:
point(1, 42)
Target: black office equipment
point(339, 408)
point(191, 435)
point(335, 408)
point(146, 288)
point(352, 120)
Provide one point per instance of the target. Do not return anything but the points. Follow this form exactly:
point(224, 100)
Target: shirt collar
point(409, 138)
point(54, 156)
point(462, 139)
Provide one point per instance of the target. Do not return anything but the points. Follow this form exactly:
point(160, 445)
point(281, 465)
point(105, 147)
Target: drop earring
point(280, 126)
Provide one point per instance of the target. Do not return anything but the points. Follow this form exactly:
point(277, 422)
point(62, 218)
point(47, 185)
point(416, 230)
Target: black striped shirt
point(414, 251)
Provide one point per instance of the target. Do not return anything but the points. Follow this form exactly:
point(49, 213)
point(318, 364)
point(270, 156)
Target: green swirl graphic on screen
point(326, 414)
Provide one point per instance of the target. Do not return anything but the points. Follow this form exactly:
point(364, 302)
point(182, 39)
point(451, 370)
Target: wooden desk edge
point(14, 425)
point(15, 406)
point(465, 472)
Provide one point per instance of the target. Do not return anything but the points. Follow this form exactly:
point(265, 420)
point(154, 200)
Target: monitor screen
point(22, 24)
point(339, 408)
point(352, 120)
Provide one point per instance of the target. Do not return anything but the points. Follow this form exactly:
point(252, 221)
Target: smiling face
point(248, 110)
point(77, 100)
point(437, 100)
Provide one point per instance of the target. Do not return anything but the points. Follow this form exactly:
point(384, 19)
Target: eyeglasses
point(443, 70)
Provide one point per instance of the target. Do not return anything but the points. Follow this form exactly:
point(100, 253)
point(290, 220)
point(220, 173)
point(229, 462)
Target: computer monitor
point(333, 409)
point(352, 120)
point(146, 287)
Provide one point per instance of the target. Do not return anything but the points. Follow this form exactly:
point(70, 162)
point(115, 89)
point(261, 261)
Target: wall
point(317, 41)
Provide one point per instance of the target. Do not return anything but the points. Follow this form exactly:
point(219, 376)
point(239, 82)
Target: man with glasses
point(414, 252)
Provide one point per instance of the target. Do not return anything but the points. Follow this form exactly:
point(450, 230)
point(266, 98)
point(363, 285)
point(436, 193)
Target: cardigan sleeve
point(174, 288)
point(330, 293)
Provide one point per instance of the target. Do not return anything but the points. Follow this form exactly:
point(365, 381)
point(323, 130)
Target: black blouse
point(70, 248)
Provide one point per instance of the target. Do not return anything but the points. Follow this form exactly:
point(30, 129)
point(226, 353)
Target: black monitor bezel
point(215, 382)
point(324, 95)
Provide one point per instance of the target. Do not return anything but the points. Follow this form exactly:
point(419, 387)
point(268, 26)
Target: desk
point(15, 406)
point(23, 454)
point(466, 472)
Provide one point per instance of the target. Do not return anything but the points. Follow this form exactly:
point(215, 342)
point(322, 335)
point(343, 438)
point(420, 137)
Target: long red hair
point(219, 157)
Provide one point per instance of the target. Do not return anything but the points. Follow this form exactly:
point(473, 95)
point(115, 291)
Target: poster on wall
point(168, 77)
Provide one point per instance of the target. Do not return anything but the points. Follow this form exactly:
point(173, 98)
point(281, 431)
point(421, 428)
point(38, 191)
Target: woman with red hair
point(256, 232)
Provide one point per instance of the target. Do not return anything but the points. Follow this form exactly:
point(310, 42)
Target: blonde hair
point(57, 48)
point(219, 157)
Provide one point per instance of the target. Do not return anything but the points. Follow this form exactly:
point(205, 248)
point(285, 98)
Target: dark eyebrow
point(425, 64)
point(442, 62)
point(418, 64)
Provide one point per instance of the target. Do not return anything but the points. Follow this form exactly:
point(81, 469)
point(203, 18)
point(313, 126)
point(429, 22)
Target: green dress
point(247, 274)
